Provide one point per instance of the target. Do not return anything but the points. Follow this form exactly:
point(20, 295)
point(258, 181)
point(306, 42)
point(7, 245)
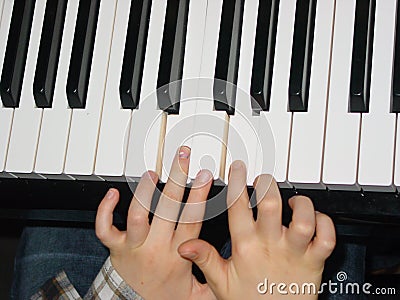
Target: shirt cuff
point(58, 287)
point(109, 285)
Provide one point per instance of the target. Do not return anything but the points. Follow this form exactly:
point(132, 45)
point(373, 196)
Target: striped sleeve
point(108, 285)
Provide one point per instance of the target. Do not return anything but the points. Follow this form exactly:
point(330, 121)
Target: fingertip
point(104, 216)
point(300, 199)
point(266, 187)
point(203, 178)
point(112, 193)
point(186, 247)
point(109, 201)
point(303, 225)
point(150, 175)
point(325, 233)
point(204, 175)
point(324, 241)
point(206, 257)
point(238, 165)
point(184, 152)
point(192, 248)
point(264, 179)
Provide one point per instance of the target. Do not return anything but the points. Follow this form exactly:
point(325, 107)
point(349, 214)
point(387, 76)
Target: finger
point(302, 228)
point(107, 233)
point(168, 207)
point(207, 258)
point(269, 213)
point(325, 237)
point(138, 215)
point(193, 213)
point(240, 215)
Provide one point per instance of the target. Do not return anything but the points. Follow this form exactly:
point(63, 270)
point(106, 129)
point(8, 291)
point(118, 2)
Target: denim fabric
point(43, 252)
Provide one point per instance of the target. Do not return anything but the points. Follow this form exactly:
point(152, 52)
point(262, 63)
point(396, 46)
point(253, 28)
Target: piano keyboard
point(79, 80)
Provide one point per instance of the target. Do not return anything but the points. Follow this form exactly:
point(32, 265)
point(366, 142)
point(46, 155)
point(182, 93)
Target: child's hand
point(146, 256)
point(264, 249)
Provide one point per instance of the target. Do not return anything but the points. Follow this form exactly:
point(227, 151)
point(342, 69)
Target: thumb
point(206, 257)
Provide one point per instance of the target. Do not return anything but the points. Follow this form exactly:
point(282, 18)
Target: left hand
point(146, 256)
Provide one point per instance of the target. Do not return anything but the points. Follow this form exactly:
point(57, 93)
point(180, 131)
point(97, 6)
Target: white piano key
point(115, 120)
point(210, 135)
point(242, 135)
point(6, 114)
point(1, 9)
point(27, 117)
point(342, 128)
point(179, 128)
point(198, 125)
point(210, 126)
point(209, 152)
point(249, 135)
point(308, 128)
point(378, 126)
point(144, 139)
point(54, 131)
point(278, 116)
point(85, 123)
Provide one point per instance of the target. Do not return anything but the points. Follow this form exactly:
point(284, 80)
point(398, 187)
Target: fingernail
point(110, 194)
point(237, 164)
point(184, 152)
point(204, 176)
point(149, 175)
point(189, 255)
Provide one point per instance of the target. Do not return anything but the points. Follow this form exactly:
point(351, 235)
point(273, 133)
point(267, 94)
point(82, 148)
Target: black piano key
point(82, 53)
point(134, 53)
point(395, 101)
point(49, 52)
point(172, 55)
point(302, 48)
point(360, 81)
point(16, 52)
point(227, 64)
point(264, 52)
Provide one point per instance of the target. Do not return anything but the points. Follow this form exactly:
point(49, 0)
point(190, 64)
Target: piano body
point(86, 101)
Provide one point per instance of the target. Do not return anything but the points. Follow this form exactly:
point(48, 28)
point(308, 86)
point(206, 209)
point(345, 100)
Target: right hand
point(264, 248)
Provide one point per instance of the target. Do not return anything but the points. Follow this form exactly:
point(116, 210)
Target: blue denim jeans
point(44, 251)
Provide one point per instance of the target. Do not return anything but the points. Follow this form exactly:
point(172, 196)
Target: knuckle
point(270, 205)
point(101, 234)
point(329, 244)
point(153, 252)
point(137, 220)
point(304, 228)
point(242, 249)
